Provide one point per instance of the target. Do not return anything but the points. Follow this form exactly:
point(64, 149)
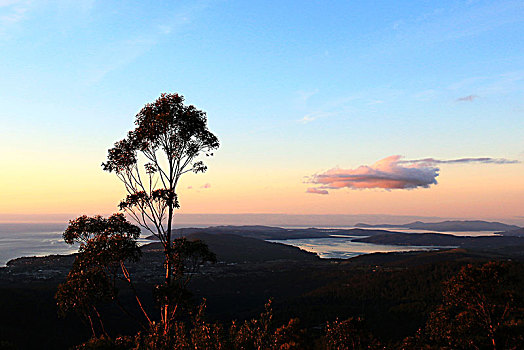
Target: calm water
point(17, 244)
point(342, 248)
point(18, 240)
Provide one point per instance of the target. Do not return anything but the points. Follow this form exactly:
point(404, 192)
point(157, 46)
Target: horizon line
point(266, 218)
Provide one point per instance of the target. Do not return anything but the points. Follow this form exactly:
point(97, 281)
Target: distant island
point(448, 226)
point(445, 240)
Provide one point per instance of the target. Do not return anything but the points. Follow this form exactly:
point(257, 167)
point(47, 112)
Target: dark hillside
point(274, 233)
point(439, 239)
point(393, 292)
point(518, 233)
point(232, 248)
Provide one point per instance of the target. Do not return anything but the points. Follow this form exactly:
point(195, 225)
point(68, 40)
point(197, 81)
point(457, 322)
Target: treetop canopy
point(166, 124)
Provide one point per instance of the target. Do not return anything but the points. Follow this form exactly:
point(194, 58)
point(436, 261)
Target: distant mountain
point(276, 233)
point(445, 226)
point(445, 240)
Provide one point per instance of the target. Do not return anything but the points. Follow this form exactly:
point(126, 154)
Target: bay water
point(35, 239)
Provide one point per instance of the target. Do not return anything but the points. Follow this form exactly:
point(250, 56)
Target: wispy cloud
point(397, 24)
point(202, 187)
point(489, 85)
point(116, 56)
point(123, 52)
point(462, 20)
point(426, 95)
point(482, 160)
point(308, 118)
point(4, 3)
point(12, 12)
point(468, 98)
point(316, 190)
point(391, 173)
point(304, 96)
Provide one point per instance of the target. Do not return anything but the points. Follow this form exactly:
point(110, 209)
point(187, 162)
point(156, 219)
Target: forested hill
point(439, 239)
point(269, 232)
point(231, 248)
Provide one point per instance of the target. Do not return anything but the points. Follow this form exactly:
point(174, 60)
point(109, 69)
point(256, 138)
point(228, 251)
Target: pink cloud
point(316, 191)
point(388, 173)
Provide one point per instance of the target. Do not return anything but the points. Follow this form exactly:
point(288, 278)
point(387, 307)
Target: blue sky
point(292, 88)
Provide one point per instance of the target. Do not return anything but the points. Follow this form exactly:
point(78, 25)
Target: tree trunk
point(169, 267)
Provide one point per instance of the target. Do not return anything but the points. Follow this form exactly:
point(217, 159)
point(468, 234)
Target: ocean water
point(17, 240)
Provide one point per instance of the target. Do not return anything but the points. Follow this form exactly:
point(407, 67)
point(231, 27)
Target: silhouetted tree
point(105, 247)
point(100, 267)
point(167, 142)
point(186, 258)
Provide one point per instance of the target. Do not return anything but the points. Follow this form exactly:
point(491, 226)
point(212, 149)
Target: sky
point(321, 107)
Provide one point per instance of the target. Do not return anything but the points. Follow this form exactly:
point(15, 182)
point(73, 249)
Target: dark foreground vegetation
point(114, 294)
point(456, 299)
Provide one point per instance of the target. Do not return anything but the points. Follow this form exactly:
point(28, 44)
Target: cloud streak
point(314, 116)
point(391, 173)
point(468, 98)
point(481, 160)
point(12, 12)
point(316, 191)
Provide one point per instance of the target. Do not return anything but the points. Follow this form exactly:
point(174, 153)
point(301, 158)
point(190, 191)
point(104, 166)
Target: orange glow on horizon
point(493, 191)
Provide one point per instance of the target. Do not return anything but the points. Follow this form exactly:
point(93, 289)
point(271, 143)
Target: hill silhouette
point(450, 225)
point(276, 233)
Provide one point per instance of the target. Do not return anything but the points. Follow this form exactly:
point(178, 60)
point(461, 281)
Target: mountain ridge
point(448, 226)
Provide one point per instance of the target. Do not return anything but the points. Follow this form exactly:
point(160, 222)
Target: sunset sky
point(321, 107)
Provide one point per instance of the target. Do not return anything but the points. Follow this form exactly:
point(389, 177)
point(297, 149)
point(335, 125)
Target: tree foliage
point(168, 141)
point(481, 309)
point(349, 335)
point(261, 333)
point(106, 245)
